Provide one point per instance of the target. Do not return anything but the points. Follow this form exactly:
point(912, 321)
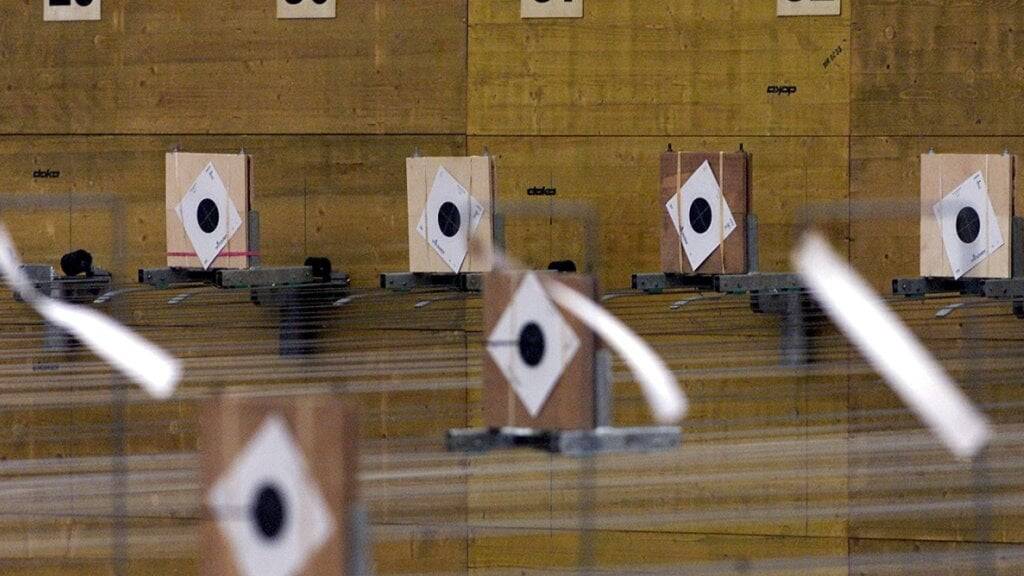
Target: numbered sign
point(306, 8)
point(68, 10)
point(809, 7)
point(552, 9)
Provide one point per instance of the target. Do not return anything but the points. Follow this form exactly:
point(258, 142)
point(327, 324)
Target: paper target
point(273, 515)
point(69, 10)
point(970, 229)
point(306, 8)
point(532, 344)
point(209, 215)
point(701, 215)
point(449, 219)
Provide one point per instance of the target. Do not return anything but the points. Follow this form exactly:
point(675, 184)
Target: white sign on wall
point(68, 10)
point(809, 7)
point(306, 8)
point(551, 9)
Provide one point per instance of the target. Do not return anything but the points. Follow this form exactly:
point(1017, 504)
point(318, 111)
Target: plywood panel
point(932, 558)
point(619, 178)
point(209, 67)
point(903, 483)
point(887, 246)
point(557, 552)
point(644, 67)
point(938, 67)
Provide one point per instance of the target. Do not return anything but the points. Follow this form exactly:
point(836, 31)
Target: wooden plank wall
point(330, 109)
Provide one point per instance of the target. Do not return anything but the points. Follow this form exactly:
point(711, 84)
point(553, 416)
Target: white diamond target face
point(970, 230)
point(701, 215)
point(532, 344)
point(273, 515)
point(70, 10)
point(306, 8)
point(449, 219)
point(209, 216)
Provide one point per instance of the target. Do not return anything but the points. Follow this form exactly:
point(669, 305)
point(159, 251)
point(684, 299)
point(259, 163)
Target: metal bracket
point(408, 281)
point(603, 388)
point(995, 288)
point(360, 543)
point(576, 443)
point(163, 278)
point(298, 330)
point(74, 289)
point(290, 289)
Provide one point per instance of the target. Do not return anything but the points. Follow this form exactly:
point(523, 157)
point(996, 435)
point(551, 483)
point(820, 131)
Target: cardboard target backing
point(731, 173)
point(940, 175)
point(326, 431)
point(571, 404)
point(182, 169)
point(476, 175)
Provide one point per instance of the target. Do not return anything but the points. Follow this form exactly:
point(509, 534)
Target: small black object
point(700, 215)
point(321, 267)
point(531, 344)
point(449, 219)
point(77, 262)
point(269, 511)
point(207, 215)
point(562, 266)
point(968, 225)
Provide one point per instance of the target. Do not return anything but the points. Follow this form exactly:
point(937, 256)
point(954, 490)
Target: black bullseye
point(968, 225)
point(207, 215)
point(700, 215)
point(269, 512)
point(531, 344)
point(449, 219)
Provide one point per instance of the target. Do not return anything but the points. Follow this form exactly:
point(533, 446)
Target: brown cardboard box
point(476, 175)
point(571, 404)
point(940, 175)
point(182, 168)
point(731, 173)
point(326, 430)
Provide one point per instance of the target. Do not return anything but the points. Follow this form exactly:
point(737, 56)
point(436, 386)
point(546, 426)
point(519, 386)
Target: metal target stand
point(1001, 289)
point(457, 281)
point(602, 438)
point(777, 293)
point(81, 283)
point(289, 289)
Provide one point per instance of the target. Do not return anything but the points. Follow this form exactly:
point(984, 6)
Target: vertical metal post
point(794, 330)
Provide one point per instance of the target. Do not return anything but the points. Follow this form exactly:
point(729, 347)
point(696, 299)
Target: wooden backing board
point(182, 169)
point(940, 175)
point(475, 174)
point(326, 430)
point(571, 404)
point(731, 173)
